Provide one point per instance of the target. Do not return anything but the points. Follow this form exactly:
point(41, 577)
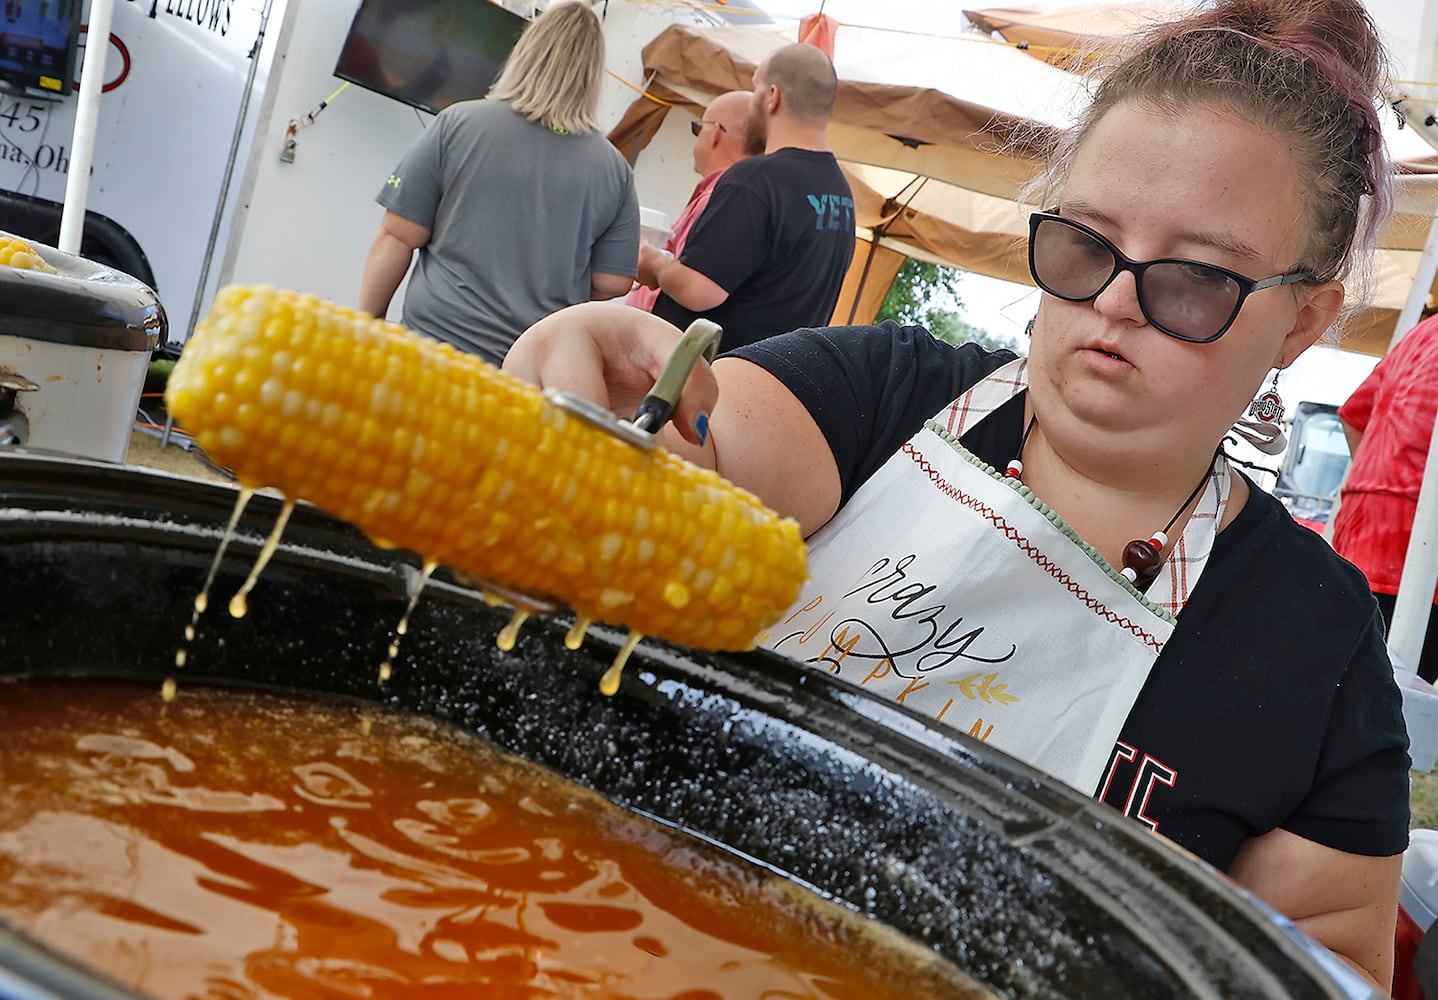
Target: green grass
point(1423, 801)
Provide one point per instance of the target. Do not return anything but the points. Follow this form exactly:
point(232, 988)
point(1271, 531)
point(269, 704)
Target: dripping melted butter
point(506, 639)
point(574, 638)
point(239, 604)
point(510, 633)
point(414, 588)
point(609, 683)
point(202, 599)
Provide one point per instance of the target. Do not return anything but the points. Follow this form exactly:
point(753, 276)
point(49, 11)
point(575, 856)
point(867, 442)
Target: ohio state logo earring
point(1268, 408)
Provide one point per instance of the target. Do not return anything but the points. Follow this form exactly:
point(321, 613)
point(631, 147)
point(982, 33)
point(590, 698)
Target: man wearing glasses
point(770, 251)
point(722, 138)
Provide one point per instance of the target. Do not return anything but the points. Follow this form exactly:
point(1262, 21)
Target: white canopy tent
point(939, 136)
point(934, 164)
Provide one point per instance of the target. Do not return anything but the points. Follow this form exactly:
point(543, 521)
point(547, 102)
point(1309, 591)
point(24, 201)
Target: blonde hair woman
point(552, 76)
point(516, 205)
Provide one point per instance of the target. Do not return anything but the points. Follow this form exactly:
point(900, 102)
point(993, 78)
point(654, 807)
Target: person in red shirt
point(1389, 422)
point(723, 137)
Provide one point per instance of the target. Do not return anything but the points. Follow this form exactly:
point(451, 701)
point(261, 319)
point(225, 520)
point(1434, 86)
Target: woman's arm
point(1346, 902)
point(1352, 435)
point(735, 417)
point(389, 258)
point(765, 440)
point(608, 286)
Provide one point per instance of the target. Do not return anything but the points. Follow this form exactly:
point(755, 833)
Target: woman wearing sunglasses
point(1052, 554)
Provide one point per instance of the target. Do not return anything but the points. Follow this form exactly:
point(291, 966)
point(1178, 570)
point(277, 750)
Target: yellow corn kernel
point(15, 252)
point(432, 449)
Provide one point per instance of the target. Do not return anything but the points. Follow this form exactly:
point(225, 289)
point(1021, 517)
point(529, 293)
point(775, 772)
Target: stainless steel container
point(74, 349)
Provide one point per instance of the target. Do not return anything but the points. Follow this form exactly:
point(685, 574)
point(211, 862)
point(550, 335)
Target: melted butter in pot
point(243, 845)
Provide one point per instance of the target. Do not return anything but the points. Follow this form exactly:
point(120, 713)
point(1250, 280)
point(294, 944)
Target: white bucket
point(1420, 712)
point(1418, 888)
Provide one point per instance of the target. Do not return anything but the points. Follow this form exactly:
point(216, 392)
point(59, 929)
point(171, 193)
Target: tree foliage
point(913, 301)
point(916, 286)
point(947, 325)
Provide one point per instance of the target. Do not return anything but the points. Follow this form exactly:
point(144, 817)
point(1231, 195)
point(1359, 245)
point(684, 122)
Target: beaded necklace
point(1142, 559)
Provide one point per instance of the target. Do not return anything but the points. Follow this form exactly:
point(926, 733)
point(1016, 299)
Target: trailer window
point(1321, 456)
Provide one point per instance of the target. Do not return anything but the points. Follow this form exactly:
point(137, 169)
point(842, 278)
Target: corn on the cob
point(15, 252)
point(428, 448)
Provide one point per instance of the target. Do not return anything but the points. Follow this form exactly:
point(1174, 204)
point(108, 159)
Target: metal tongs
point(701, 339)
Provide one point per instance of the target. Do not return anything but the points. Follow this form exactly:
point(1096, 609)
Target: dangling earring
point(1268, 407)
point(1262, 425)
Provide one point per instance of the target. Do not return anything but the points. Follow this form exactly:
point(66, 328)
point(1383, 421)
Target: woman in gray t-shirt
point(517, 205)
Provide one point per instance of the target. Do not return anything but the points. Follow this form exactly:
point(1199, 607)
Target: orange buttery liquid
point(244, 845)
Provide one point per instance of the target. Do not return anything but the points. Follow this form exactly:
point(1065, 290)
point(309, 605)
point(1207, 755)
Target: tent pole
point(1422, 286)
point(1419, 119)
point(1420, 574)
point(878, 233)
point(1414, 603)
point(864, 274)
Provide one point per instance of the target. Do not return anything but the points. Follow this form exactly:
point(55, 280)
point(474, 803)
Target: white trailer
point(188, 189)
point(179, 83)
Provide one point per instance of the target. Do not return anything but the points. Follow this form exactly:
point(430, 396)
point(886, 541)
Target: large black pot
point(1036, 890)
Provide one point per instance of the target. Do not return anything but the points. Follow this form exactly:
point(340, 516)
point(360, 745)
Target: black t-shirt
point(1272, 705)
point(777, 235)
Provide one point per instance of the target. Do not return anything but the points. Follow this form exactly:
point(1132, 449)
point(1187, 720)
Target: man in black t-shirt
point(770, 252)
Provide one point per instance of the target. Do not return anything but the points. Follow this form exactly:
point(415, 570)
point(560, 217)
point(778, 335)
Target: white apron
point(949, 588)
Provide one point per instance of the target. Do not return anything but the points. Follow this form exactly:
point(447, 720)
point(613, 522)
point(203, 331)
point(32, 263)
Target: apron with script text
point(951, 589)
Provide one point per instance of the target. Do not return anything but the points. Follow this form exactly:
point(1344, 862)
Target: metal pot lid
point(83, 304)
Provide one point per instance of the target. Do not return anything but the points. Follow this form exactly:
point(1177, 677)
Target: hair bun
point(1337, 37)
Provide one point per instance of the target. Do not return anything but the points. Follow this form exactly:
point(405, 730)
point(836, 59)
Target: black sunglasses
point(697, 126)
point(1186, 299)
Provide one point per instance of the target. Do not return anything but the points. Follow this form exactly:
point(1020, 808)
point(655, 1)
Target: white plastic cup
point(654, 226)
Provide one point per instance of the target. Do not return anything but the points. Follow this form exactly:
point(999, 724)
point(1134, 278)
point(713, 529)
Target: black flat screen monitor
point(428, 53)
point(38, 39)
